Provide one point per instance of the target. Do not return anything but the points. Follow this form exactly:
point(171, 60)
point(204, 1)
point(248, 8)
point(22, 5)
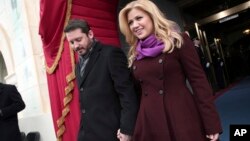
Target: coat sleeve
point(16, 102)
point(123, 85)
point(201, 89)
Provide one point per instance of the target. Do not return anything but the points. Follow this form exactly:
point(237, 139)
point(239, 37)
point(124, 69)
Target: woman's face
point(140, 23)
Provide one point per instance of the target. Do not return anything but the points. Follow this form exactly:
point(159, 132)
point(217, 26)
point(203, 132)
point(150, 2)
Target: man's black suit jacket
point(107, 96)
point(10, 104)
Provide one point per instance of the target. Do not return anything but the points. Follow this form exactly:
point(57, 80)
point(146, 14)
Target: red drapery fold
point(101, 16)
point(60, 60)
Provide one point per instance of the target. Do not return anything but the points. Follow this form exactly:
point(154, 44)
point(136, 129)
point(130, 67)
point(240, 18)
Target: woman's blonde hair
point(165, 30)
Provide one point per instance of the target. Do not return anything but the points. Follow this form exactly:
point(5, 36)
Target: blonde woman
point(161, 59)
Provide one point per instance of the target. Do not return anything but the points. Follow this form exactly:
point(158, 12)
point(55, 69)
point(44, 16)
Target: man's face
point(79, 41)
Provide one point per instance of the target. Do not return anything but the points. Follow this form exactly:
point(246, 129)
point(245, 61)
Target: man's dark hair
point(77, 23)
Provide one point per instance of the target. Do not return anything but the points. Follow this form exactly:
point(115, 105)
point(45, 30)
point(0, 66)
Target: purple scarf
point(149, 47)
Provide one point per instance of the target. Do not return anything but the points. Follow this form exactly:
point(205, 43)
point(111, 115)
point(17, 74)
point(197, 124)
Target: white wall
point(41, 123)
point(22, 52)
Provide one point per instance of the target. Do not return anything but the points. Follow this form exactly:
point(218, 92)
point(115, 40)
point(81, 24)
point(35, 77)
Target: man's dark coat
point(107, 97)
point(10, 103)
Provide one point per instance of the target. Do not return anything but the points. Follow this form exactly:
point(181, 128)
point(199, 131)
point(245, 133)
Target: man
point(10, 104)
point(107, 97)
point(204, 62)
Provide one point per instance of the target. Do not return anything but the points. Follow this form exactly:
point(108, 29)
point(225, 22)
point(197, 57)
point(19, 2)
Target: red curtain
point(60, 59)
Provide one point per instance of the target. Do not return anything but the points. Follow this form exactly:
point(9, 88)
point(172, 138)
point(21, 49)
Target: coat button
point(81, 89)
point(83, 111)
point(160, 61)
point(145, 93)
point(134, 67)
point(161, 92)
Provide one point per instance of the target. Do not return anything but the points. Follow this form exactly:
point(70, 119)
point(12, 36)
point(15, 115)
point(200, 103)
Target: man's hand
point(123, 137)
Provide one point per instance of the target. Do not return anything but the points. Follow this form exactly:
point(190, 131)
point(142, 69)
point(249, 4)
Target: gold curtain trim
point(60, 133)
point(60, 121)
point(72, 56)
point(69, 88)
point(65, 111)
point(53, 67)
point(68, 99)
point(69, 78)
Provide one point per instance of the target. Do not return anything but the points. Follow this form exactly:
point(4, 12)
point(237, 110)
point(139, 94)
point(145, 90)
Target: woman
point(162, 59)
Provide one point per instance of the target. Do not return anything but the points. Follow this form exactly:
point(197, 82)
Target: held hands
point(213, 137)
point(123, 137)
point(207, 65)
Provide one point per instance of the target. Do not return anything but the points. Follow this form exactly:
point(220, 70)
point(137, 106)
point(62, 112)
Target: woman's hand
point(213, 137)
point(123, 137)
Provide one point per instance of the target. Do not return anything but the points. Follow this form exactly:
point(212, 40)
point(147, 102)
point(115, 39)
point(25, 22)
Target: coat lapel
point(91, 63)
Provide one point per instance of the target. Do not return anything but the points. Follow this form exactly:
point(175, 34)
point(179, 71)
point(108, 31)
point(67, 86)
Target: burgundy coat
point(168, 110)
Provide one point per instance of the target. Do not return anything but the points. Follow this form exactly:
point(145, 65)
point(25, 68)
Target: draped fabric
point(60, 59)
point(102, 17)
